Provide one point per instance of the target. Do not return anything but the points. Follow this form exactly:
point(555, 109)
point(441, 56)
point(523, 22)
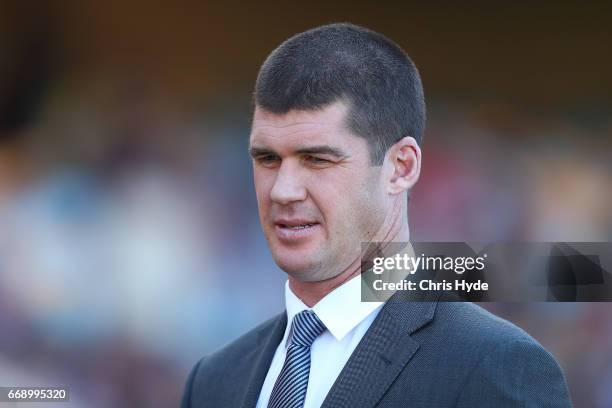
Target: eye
point(268, 159)
point(315, 160)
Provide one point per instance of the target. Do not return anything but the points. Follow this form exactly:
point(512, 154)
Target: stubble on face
point(342, 194)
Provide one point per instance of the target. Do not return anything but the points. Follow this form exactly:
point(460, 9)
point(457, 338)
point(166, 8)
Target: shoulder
point(222, 368)
point(475, 325)
point(501, 360)
point(477, 332)
point(237, 349)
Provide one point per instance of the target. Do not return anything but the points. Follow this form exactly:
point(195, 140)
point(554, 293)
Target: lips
point(295, 230)
point(297, 226)
point(295, 223)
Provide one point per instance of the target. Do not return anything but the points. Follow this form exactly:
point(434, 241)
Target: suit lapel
point(382, 353)
point(258, 362)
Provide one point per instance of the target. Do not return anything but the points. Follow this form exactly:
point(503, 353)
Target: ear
point(403, 165)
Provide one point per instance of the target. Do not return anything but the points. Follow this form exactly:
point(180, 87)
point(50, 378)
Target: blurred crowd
point(130, 244)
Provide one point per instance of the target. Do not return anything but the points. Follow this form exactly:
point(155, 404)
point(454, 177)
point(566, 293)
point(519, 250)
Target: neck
point(312, 292)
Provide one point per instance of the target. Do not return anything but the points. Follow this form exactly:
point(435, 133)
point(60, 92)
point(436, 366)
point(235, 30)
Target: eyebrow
point(260, 151)
point(322, 149)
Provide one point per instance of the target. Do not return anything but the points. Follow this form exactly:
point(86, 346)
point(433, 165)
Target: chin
point(296, 266)
point(300, 266)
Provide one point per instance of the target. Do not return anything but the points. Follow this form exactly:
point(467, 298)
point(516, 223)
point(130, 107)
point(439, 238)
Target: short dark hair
point(346, 62)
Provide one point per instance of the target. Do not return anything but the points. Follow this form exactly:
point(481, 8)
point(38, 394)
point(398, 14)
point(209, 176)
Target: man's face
point(319, 196)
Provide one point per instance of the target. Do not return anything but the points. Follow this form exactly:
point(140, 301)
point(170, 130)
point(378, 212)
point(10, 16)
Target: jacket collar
point(258, 361)
point(381, 355)
point(383, 352)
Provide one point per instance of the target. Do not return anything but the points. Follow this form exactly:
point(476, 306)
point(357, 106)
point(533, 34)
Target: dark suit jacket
point(415, 354)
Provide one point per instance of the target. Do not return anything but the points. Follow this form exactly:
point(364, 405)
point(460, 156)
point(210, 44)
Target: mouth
point(298, 226)
point(293, 231)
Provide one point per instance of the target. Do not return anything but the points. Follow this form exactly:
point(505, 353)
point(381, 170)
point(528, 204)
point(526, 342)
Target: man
point(338, 121)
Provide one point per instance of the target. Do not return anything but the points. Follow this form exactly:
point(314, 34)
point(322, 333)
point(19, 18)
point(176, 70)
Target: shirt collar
point(341, 310)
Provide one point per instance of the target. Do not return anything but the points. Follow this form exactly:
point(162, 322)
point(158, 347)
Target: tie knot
point(306, 328)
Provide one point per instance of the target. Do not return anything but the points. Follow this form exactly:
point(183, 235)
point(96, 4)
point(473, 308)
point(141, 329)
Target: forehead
point(325, 125)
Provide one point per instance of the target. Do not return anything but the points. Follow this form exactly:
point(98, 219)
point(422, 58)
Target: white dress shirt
point(347, 319)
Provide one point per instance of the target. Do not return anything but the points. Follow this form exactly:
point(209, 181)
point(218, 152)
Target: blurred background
point(129, 239)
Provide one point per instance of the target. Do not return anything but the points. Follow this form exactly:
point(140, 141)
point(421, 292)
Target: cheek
point(263, 184)
point(346, 204)
point(363, 209)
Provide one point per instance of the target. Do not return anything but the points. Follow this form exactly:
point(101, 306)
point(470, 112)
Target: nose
point(288, 186)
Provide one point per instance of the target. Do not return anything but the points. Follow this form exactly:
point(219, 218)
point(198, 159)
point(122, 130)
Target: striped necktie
point(290, 388)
